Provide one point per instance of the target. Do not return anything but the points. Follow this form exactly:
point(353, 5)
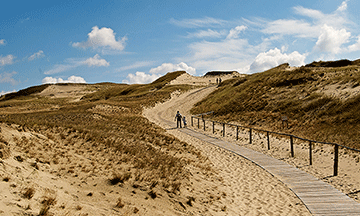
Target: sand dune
point(249, 189)
point(58, 167)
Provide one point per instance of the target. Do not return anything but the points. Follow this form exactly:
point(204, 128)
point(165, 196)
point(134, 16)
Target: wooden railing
point(268, 133)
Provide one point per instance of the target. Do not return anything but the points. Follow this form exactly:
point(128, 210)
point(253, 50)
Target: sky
point(132, 41)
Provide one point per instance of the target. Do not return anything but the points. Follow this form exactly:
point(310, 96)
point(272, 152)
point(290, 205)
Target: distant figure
point(178, 118)
point(217, 81)
point(184, 121)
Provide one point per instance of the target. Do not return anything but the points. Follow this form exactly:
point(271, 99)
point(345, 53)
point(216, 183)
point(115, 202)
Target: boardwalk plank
point(319, 197)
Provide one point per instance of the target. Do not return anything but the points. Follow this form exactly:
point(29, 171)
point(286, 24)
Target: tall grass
point(261, 99)
point(149, 152)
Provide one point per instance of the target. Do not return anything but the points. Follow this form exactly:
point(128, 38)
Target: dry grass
point(119, 203)
point(144, 152)
point(28, 193)
point(119, 178)
point(259, 100)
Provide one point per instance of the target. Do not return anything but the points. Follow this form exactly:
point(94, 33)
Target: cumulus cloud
point(169, 67)
point(140, 78)
point(8, 78)
point(2, 42)
point(238, 50)
point(71, 79)
point(36, 55)
point(102, 38)
point(234, 33)
point(154, 73)
point(275, 57)
point(6, 60)
point(96, 61)
point(331, 40)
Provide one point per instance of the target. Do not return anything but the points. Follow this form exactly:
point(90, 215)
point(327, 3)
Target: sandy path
point(247, 189)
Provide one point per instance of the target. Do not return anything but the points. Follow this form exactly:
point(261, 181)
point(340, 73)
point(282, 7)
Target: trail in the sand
point(249, 189)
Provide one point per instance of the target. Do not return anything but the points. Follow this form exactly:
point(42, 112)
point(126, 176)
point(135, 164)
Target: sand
point(249, 189)
point(348, 179)
point(76, 175)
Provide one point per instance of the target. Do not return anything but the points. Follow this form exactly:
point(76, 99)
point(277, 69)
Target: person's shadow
point(171, 128)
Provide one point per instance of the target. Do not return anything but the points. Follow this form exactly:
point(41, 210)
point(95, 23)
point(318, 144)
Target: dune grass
point(146, 150)
point(261, 99)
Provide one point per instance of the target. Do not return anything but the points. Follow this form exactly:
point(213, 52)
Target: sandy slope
point(249, 189)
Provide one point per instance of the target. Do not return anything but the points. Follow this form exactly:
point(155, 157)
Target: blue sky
point(137, 41)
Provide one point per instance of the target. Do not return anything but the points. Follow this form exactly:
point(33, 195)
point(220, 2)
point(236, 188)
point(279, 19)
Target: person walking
point(178, 119)
point(184, 121)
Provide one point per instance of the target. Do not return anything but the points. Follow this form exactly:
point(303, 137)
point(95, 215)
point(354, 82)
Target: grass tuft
point(119, 203)
point(28, 193)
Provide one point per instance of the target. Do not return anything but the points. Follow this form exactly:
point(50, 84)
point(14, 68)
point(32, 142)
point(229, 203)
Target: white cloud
point(71, 79)
point(6, 92)
point(343, 6)
point(7, 60)
point(216, 50)
point(96, 61)
point(275, 57)
point(356, 46)
point(331, 40)
point(299, 28)
point(8, 78)
point(233, 54)
point(102, 38)
point(199, 23)
point(311, 27)
point(135, 65)
point(2, 42)
point(58, 68)
point(154, 73)
point(206, 34)
point(336, 19)
point(169, 67)
point(234, 33)
point(140, 78)
point(37, 55)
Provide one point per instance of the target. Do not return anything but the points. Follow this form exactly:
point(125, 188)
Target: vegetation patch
point(261, 100)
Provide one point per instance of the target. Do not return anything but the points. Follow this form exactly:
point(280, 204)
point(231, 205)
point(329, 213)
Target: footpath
point(319, 197)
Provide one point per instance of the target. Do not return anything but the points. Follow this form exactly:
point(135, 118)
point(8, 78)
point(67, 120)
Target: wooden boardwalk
point(319, 197)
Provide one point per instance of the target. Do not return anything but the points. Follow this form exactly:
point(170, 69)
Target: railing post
point(336, 159)
point(268, 139)
point(223, 129)
point(192, 123)
point(250, 136)
point(292, 146)
point(213, 127)
point(204, 124)
point(237, 132)
point(198, 122)
point(310, 152)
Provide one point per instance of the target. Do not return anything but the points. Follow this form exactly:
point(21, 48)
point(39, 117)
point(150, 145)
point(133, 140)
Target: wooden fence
point(292, 137)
